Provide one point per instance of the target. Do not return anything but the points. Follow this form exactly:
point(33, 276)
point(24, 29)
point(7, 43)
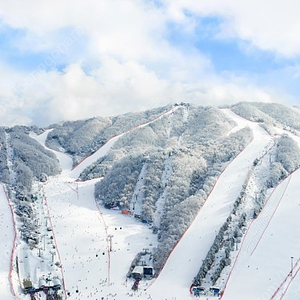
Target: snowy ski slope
point(6, 245)
point(184, 262)
point(273, 238)
point(271, 248)
point(91, 271)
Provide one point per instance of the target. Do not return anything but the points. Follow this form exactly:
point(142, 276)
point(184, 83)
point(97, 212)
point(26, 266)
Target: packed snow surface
point(6, 245)
point(96, 246)
point(184, 262)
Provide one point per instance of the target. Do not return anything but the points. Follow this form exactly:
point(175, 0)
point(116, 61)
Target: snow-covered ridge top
point(189, 164)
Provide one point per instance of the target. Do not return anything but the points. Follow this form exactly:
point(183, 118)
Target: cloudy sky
point(74, 59)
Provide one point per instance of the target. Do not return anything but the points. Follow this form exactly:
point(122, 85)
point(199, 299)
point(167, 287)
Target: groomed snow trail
point(91, 271)
point(185, 260)
point(258, 276)
point(262, 271)
point(82, 230)
point(6, 246)
point(109, 144)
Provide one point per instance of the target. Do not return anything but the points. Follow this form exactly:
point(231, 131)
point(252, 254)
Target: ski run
point(87, 250)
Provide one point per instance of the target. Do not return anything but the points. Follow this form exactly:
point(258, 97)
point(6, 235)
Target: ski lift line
point(228, 277)
point(236, 259)
point(244, 238)
point(286, 289)
point(131, 129)
point(286, 278)
point(54, 238)
point(55, 242)
point(280, 286)
point(270, 219)
point(247, 180)
point(293, 277)
point(108, 245)
point(270, 147)
point(75, 190)
point(14, 245)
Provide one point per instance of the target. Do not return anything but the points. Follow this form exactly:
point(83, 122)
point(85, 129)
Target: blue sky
point(237, 56)
point(67, 60)
point(14, 53)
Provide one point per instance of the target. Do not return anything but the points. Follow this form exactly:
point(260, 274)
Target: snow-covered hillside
point(7, 236)
point(205, 198)
point(180, 269)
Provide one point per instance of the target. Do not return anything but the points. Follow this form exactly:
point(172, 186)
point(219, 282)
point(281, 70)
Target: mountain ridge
point(163, 167)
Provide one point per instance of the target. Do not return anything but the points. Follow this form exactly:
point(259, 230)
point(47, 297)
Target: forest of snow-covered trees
point(22, 162)
point(80, 138)
point(29, 160)
point(162, 172)
point(192, 145)
point(286, 159)
point(269, 113)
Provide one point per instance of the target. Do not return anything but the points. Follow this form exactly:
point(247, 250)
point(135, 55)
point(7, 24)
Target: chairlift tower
point(110, 242)
point(44, 240)
point(53, 253)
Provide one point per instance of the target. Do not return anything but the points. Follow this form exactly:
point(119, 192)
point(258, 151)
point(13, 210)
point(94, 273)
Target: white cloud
point(132, 29)
point(128, 63)
point(124, 28)
point(116, 88)
point(271, 25)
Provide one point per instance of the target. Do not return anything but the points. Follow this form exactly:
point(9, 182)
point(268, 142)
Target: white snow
point(89, 160)
point(10, 153)
point(94, 268)
point(64, 160)
point(265, 259)
point(6, 246)
point(161, 200)
point(82, 232)
point(185, 260)
point(138, 196)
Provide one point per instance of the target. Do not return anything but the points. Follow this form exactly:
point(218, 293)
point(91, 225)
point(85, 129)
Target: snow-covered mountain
point(176, 202)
